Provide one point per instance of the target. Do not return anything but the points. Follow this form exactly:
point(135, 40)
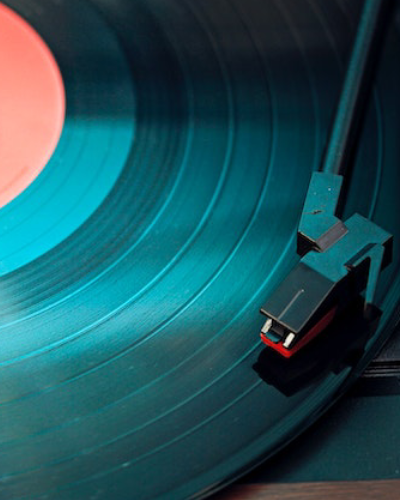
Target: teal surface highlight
point(93, 148)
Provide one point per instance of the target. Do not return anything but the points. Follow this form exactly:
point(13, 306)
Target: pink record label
point(32, 105)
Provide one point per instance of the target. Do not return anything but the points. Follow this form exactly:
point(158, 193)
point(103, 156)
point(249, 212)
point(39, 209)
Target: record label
point(32, 104)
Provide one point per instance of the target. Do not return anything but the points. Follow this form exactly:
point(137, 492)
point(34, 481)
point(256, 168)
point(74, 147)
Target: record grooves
point(134, 266)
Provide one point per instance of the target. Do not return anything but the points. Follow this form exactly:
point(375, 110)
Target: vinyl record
point(134, 266)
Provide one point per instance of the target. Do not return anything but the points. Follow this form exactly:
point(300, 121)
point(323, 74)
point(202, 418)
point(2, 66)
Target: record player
point(160, 183)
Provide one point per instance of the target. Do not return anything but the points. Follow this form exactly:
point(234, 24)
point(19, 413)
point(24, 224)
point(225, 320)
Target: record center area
point(32, 104)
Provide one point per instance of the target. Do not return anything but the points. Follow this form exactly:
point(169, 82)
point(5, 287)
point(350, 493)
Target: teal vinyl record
point(134, 266)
